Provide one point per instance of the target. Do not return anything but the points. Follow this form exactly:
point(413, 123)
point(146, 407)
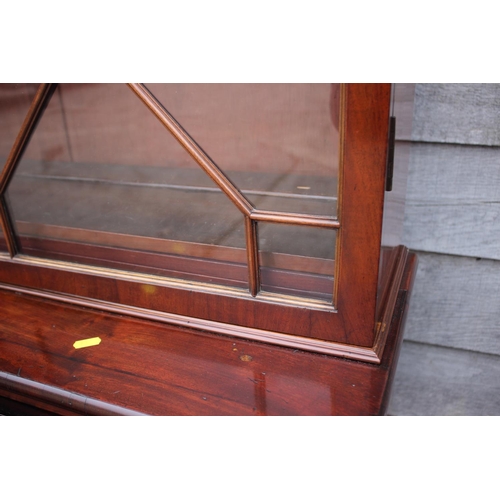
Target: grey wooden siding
point(455, 303)
point(457, 113)
point(453, 200)
point(433, 380)
point(450, 359)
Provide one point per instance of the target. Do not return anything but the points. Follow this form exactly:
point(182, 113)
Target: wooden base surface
point(144, 367)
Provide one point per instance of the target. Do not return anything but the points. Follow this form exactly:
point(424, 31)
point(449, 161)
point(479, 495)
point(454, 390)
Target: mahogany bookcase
point(234, 248)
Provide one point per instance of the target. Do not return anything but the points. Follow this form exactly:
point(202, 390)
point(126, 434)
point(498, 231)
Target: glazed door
point(258, 207)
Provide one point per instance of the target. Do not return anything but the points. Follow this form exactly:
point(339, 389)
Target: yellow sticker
point(149, 289)
point(87, 342)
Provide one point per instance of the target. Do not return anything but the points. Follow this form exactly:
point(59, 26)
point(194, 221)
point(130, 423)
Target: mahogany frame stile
point(354, 326)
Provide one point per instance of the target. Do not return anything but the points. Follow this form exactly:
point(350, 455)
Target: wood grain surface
point(434, 380)
point(452, 217)
point(457, 113)
point(456, 303)
point(153, 368)
point(453, 201)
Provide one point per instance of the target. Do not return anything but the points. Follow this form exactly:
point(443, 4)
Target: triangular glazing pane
point(15, 100)
point(279, 143)
point(103, 182)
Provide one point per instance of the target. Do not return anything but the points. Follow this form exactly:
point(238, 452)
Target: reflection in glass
point(15, 100)
point(297, 260)
point(102, 182)
point(279, 143)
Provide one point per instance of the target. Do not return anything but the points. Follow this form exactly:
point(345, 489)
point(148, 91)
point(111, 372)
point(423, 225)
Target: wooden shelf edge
point(390, 295)
point(56, 400)
point(306, 344)
point(367, 354)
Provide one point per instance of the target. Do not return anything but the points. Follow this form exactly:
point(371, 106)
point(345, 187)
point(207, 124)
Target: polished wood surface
point(361, 199)
point(146, 367)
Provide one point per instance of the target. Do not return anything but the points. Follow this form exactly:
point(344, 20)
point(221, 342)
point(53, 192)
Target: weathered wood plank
point(457, 113)
point(453, 200)
point(433, 380)
point(456, 303)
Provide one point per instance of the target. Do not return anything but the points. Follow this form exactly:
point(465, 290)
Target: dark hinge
point(390, 154)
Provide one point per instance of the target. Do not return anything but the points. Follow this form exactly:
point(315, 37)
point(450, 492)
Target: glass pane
point(15, 100)
point(103, 182)
point(297, 260)
point(279, 143)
